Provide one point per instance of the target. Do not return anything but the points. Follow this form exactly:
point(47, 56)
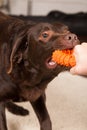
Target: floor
point(66, 102)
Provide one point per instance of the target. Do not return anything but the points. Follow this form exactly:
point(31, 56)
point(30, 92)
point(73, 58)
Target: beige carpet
point(67, 105)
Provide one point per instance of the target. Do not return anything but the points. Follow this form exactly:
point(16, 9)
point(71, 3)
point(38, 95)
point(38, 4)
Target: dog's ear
point(19, 45)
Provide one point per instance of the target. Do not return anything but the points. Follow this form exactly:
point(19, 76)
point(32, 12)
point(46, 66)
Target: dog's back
point(3, 17)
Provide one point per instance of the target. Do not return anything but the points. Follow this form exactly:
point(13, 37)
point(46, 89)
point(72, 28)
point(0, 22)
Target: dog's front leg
point(8, 90)
point(2, 117)
point(42, 114)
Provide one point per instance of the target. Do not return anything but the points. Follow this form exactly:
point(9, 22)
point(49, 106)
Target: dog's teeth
point(52, 63)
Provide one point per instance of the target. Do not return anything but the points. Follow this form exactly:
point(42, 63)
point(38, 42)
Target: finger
point(76, 70)
point(84, 44)
point(73, 70)
point(77, 49)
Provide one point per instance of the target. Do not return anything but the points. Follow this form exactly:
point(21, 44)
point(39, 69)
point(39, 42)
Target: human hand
point(80, 53)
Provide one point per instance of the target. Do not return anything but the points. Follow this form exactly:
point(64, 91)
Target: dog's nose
point(71, 37)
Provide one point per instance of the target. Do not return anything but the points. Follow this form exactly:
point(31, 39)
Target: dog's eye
point(45, 35)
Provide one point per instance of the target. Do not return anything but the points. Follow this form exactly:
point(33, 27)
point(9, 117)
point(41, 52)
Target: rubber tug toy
point(64, 57)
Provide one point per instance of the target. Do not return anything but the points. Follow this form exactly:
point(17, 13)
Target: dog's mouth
point(50, 63)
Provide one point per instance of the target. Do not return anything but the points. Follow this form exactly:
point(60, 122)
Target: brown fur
point(25, 50)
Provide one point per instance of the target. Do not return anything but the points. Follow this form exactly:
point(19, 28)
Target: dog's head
point(36, 44)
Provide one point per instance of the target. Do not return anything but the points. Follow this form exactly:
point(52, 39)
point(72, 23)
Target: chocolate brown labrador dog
point(26, 66)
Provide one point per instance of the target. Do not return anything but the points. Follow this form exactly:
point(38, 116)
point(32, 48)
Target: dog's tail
point(15, 109)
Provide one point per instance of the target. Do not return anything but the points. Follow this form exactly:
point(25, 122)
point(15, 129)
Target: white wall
point(19, 7)
point(43, 7)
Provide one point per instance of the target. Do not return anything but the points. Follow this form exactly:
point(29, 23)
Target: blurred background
point(42, 7)
point(73, 13)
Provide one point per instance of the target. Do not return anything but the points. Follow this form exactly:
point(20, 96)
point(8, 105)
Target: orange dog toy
point(64, 57)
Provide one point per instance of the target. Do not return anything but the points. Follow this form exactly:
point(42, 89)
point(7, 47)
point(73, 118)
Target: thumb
point(73, 70)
